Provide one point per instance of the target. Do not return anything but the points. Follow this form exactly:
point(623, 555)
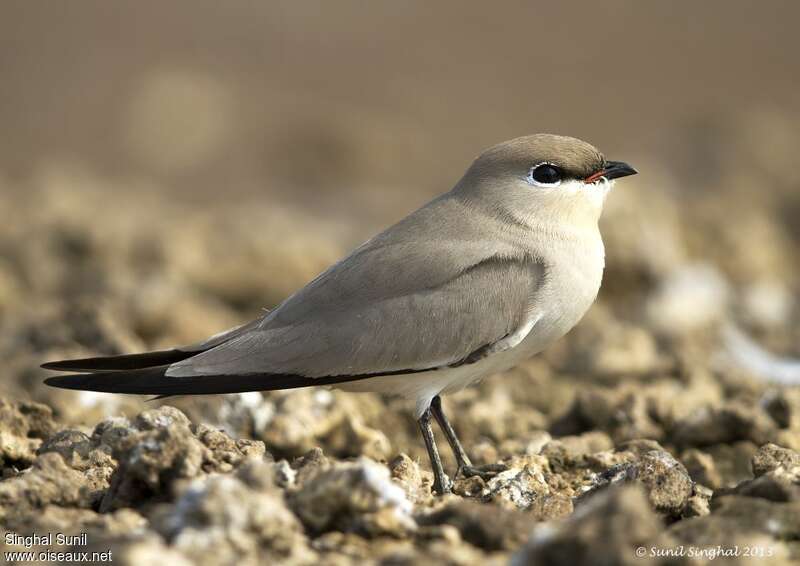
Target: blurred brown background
point(372, 108)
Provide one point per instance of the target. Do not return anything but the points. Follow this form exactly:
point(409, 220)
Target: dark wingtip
point(140, 382)
point(62, 381)
point(154, 381)
point(122, 362)
point(60, 365)
point(82, 364)
point(158, 398)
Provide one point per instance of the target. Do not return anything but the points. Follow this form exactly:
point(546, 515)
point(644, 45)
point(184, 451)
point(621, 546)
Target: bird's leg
point(465, 466)
point(462, 459)
point(441, 484)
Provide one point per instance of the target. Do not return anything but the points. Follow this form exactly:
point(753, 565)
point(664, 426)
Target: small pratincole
point(470, 284)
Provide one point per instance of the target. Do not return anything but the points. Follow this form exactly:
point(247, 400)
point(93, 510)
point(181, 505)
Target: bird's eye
point(545, 175)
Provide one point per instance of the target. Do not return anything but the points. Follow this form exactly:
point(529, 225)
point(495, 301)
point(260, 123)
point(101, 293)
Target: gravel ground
point(666, 421)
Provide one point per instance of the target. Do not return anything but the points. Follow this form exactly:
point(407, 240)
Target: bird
point(469, 285)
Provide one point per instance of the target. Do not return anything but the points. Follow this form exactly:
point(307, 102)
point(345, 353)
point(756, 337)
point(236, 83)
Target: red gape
point(594, 176)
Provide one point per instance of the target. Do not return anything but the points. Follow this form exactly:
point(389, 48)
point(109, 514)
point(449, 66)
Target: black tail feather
point(123, 362)
point(154, 381)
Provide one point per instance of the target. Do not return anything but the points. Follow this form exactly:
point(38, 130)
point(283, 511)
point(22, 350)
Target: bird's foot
point(615, 475)
point(619, 474)
point(485, 471)
point(443, 485)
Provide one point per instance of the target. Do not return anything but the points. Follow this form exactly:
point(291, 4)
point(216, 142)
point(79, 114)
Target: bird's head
point(543, 178)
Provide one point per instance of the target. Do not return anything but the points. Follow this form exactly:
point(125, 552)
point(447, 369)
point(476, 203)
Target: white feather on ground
point(744, 352)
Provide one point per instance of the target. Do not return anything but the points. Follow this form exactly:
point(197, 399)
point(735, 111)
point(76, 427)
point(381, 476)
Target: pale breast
point(574, 273)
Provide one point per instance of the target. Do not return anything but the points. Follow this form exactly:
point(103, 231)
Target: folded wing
point(425, 294)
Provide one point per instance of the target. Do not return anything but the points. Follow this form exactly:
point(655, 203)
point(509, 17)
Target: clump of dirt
point(159, 484)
